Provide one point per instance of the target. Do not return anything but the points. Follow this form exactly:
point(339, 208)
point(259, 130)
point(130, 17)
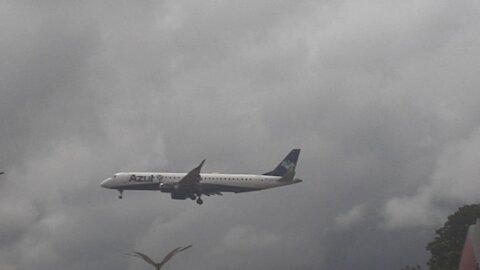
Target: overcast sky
point(382, 97)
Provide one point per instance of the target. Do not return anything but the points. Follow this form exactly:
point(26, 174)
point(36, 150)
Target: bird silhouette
point(159, 265)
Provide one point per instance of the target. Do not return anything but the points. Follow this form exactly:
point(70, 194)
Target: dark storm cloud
point(381, 97)
point(45, 93)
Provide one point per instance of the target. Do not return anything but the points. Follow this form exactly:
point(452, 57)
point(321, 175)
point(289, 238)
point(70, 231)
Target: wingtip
point(189, 246)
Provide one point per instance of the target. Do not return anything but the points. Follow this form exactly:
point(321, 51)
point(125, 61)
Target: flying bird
point(159, 265)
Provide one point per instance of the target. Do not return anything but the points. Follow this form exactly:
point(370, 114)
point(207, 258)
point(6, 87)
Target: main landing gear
point(121, 194)
point(197, 197)
point(199, 200)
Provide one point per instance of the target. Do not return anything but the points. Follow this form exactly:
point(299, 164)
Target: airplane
point(194, 184)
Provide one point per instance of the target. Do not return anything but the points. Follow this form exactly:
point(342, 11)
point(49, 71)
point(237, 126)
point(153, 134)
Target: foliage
point(447, 246)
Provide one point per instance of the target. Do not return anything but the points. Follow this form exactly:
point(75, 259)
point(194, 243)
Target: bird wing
point(144, 257)
point(189, 246)
point(172, 253)
point(169, 256)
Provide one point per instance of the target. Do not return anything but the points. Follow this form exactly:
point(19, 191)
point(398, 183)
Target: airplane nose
point(105, 183)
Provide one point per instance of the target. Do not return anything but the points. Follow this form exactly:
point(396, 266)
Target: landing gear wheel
point(199, 201)
point(121, 194)
point(193, 197)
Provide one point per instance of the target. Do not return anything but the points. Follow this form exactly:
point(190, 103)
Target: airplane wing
point(192, 179)
point(209, 192)
point(190, 183)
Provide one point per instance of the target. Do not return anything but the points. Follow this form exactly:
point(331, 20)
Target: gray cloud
point(381, 97)
point(352, 217)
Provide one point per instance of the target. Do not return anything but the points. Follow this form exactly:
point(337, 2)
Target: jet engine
point(167, 188)
point(179, 196)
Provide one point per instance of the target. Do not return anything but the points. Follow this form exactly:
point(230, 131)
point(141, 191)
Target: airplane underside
point(204, 189)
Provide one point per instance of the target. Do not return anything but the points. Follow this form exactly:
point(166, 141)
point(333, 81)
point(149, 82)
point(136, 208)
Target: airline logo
point(144, 178)
point(287, 164)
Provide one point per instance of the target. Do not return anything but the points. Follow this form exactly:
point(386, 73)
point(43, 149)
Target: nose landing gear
point(121, 194)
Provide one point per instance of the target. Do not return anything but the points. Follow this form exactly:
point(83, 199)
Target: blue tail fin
point(288, 164)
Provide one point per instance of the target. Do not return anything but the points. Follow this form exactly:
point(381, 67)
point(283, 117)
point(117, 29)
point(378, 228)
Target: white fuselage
point(194, 184)
point(221, 182)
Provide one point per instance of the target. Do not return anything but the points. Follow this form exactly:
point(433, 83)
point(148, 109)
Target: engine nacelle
point(178, 196)
point(167, 188)
point(172, 189)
